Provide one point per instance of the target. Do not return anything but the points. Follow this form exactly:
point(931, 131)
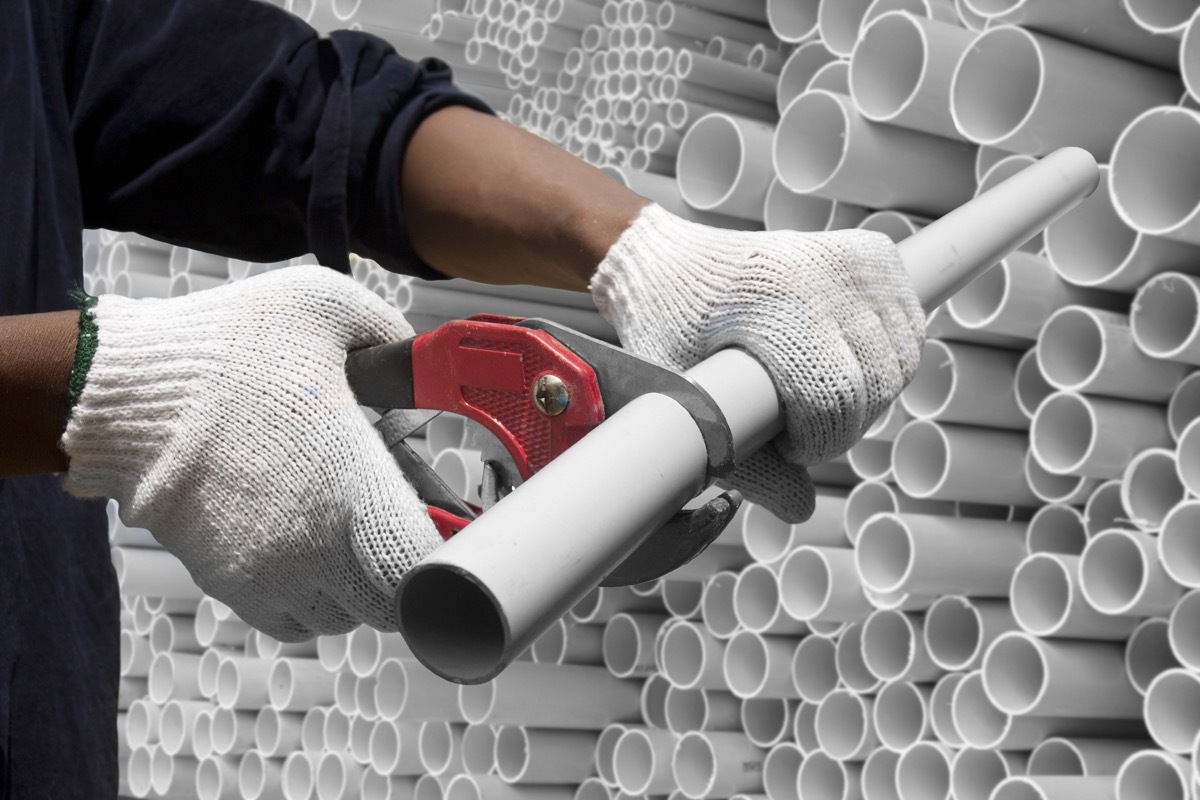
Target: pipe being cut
point(470, 608)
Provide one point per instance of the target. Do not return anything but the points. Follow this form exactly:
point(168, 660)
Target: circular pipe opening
point(452, 623)
point(980, 301)
point(900, 715)
point(975, 716)
point(889, 644)
point(1070, 348)
point(635, 761)
point(694, 764)
point(811, 141)
point(1063, 434)
point(930, 391)
point(843, 724)
point(1151, 774)
point(1057, 757)
point(1113, 572)
point(1165, 315)
point(888, 66)
point(1154, 176)
point(1173, 710)
point(924, 771)
point(710, 161)
point(953, 632)
point(996, 85)
point(921, 460)
point(622, 645)
point(884, 554)
point(805, 583)
point(793, 21)
point(1015, 673)
point(746, 664)
point(1056, 529)
point(975, 773)
point(1041, 594)
point(814, 668)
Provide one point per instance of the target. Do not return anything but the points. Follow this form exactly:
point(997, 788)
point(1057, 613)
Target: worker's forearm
point(487, 201)
point(36, 354)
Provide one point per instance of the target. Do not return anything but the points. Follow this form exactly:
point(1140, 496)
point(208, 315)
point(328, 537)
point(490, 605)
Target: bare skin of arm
point(484, 200)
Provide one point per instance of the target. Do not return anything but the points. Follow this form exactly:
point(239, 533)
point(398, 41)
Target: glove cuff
point(85, 348)
point(129, 378)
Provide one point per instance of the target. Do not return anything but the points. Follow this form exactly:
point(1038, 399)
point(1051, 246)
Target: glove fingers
point(784, 489)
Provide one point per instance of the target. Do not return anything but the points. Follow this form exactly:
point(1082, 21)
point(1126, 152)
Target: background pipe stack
point(999, 595)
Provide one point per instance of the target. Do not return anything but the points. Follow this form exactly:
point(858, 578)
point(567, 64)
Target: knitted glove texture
point(832, 317)
point(223, 422)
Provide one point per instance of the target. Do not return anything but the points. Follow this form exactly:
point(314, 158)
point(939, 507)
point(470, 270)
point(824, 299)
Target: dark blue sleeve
point(231, 126)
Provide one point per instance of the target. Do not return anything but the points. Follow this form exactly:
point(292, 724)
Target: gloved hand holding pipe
point(223, 423)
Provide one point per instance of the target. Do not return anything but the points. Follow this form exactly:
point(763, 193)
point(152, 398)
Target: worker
point(222, 421)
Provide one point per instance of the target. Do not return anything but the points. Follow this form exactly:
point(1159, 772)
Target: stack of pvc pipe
point(999, 595)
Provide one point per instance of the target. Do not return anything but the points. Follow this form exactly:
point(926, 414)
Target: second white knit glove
point(223, 422)
point(833, 318)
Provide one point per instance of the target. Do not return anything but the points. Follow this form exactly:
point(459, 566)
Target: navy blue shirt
point(222, 125)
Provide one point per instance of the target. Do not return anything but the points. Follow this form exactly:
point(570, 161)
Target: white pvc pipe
point(825, 777)
point(1104, 509)
point(337, 776)
point(1002, 170)
point(716, 605)
point(1184, 406)
point(693, 658)
point(1094, 436)
point(232, 731)
point(170, 774)
point(243, 683)
point(571, 642)
point(983, 725)
point(714, 765)
point(155, 573)
point(1172, 710)
point(846, 727)
point(530, 756)
point(1058, 489)
point(848, 658)
point(1149, 653)
point(740, 387)
point(824, 146)
point(1082, 756)
point(1028, 676)
point(1120, 574)
point(1165, 318)
point(259, 776)
point(757, 602)
point(1189, 57)
point(784, 209)
point(901, 69)
point(976, 773)
point(1057, 529)
point(1046, 601)
point(901, 715)
point(833, 77)
point(575, 697)
point(958, 630)
point(804, 728)
point(1151, 487)
point(966, 384)
point(758, 666)
point(1178, 546)
point(629, 644)
point(700, 710)
point(767, 721)
point(959, 462)
point(873, 497)
point(814, 668)
point(893, 224)
point(928, 555)
point(603, 603)
point(295, 684)
point(839, 24)
point(1018, 295)
point(176, 723)
point(642, 761)
point(724, 165)
point(1094, 246)
point(1154, 775)
point(781, 768)
point(1091, 350)
point(798, 71)
point(440, 747)
point(174, 676)
point(136, 655)
point(1054, 787)
point(940, 10)
point(1012, 88)
point(479, 749)
point(822, 583)
point(894, 647)
point(277, 732)
point(923, 772)
point(793, 21)
point(394, 748)
point(1181, 631)
point(1152, 173)
point(1107, 28)
point(941, 707)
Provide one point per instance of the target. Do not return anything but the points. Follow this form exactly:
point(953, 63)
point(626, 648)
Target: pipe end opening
point(452, 624)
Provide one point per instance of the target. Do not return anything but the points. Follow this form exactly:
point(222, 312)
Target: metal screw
point(550, 395)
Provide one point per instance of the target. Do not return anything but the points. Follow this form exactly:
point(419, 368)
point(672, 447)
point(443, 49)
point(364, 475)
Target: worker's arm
point(36, 353)
point(488, 201)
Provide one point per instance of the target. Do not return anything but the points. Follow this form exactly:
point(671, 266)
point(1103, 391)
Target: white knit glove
point(833, 317)
point(223, 422)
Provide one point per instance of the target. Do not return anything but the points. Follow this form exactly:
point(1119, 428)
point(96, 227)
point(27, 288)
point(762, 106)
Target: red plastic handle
point(485, 368)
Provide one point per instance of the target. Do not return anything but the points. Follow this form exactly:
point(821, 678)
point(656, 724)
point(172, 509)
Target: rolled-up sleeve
point(231, 126)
